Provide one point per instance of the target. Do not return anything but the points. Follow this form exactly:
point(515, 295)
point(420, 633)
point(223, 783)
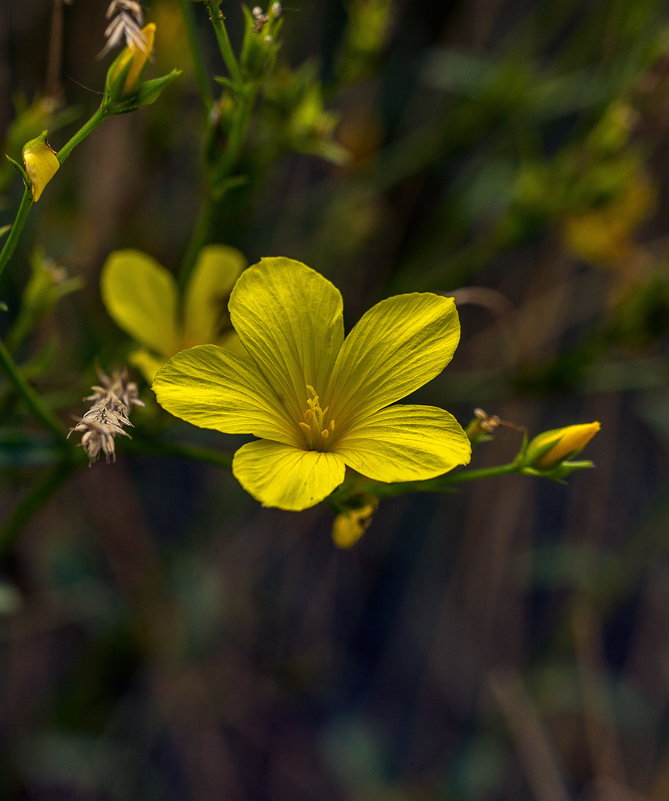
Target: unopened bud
point(549, 449)
point(41, 164)
point(350, 525)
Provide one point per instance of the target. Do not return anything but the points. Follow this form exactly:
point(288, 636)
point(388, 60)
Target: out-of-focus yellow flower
point(41, 164)
point(349, 526)
point(605, 235)
point(143, 299)
point(549, 449)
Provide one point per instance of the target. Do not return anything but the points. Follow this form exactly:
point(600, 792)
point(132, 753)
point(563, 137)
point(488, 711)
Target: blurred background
point(164, 637)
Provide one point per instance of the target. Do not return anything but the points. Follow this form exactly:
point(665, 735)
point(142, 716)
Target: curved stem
point(32, 400)
point(362, 486)
point(27, 199)
point(17, 227)
point(86, 129)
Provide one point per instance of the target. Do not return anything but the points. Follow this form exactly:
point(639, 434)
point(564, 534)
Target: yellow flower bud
point(550, 448)
point(41, 164)
point(136, 57)
point(349, 526)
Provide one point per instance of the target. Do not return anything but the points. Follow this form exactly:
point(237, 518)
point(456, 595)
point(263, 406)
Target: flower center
point(316, 430)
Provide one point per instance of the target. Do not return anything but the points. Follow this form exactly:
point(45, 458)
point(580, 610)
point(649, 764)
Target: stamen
point(314, 425)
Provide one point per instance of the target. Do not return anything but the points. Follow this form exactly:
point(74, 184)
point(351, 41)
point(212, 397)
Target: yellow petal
point(286, 477)
point(396, 347)
point(561, 444)
point(41, 164)
point(210, 387)
point(289, 319)
point(145, 361)
point(405, 443)
point(141, 296)
point(206, 303)
point(138, 56)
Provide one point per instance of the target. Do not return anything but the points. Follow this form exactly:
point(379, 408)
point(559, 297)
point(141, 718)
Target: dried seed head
point(111, 404)
point(126, 25)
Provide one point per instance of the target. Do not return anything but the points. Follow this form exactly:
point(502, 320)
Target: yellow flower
point(41, 164)
point(550, 448)
point(143, 299)
point(604, 235)
point(318, 401)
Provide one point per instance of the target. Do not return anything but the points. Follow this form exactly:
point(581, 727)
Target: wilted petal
point(141, 296)
point(405, 443)
point(287, 477)
point(289, 319)
point(210, 387)
point(396, 347)
point(216, 270)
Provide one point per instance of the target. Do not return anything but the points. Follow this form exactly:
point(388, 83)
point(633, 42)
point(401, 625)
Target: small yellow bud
point(136, 56)
point(561, 443)
point(41, 164)
point(349, 526)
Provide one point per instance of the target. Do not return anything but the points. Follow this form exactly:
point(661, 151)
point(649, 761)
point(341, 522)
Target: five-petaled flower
point(320, 402)
point(143, 299)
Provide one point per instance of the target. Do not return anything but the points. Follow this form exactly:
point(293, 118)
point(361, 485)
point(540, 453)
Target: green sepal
point(147, 93)
point(558, 473)
point(21, 171)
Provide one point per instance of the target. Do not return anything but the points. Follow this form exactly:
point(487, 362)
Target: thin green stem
point(197, 239)
point(27, 199)
point(361, 486)
point(215, 178)
point(16, 229)
point(197, 453)
point(86, 129)
point(32, 400)
point(484, 472)
point(224, 45)
point(201, 76)
point(31, 503)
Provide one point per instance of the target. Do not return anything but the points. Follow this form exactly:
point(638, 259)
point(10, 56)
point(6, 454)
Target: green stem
point(27, 199)
point(197, 239)
point(361, 486)
point(17, 227)
point(218, 22)
point(201, 76)
point(215, 176)
point(31, 503)
point(484, 472)
point(32, 400)
point(86, 129)
point(183, 449)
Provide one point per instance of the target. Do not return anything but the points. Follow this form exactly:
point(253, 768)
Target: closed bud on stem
point(552, 448)
point(41, 164)
point(350, 524)
point(124, 89)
